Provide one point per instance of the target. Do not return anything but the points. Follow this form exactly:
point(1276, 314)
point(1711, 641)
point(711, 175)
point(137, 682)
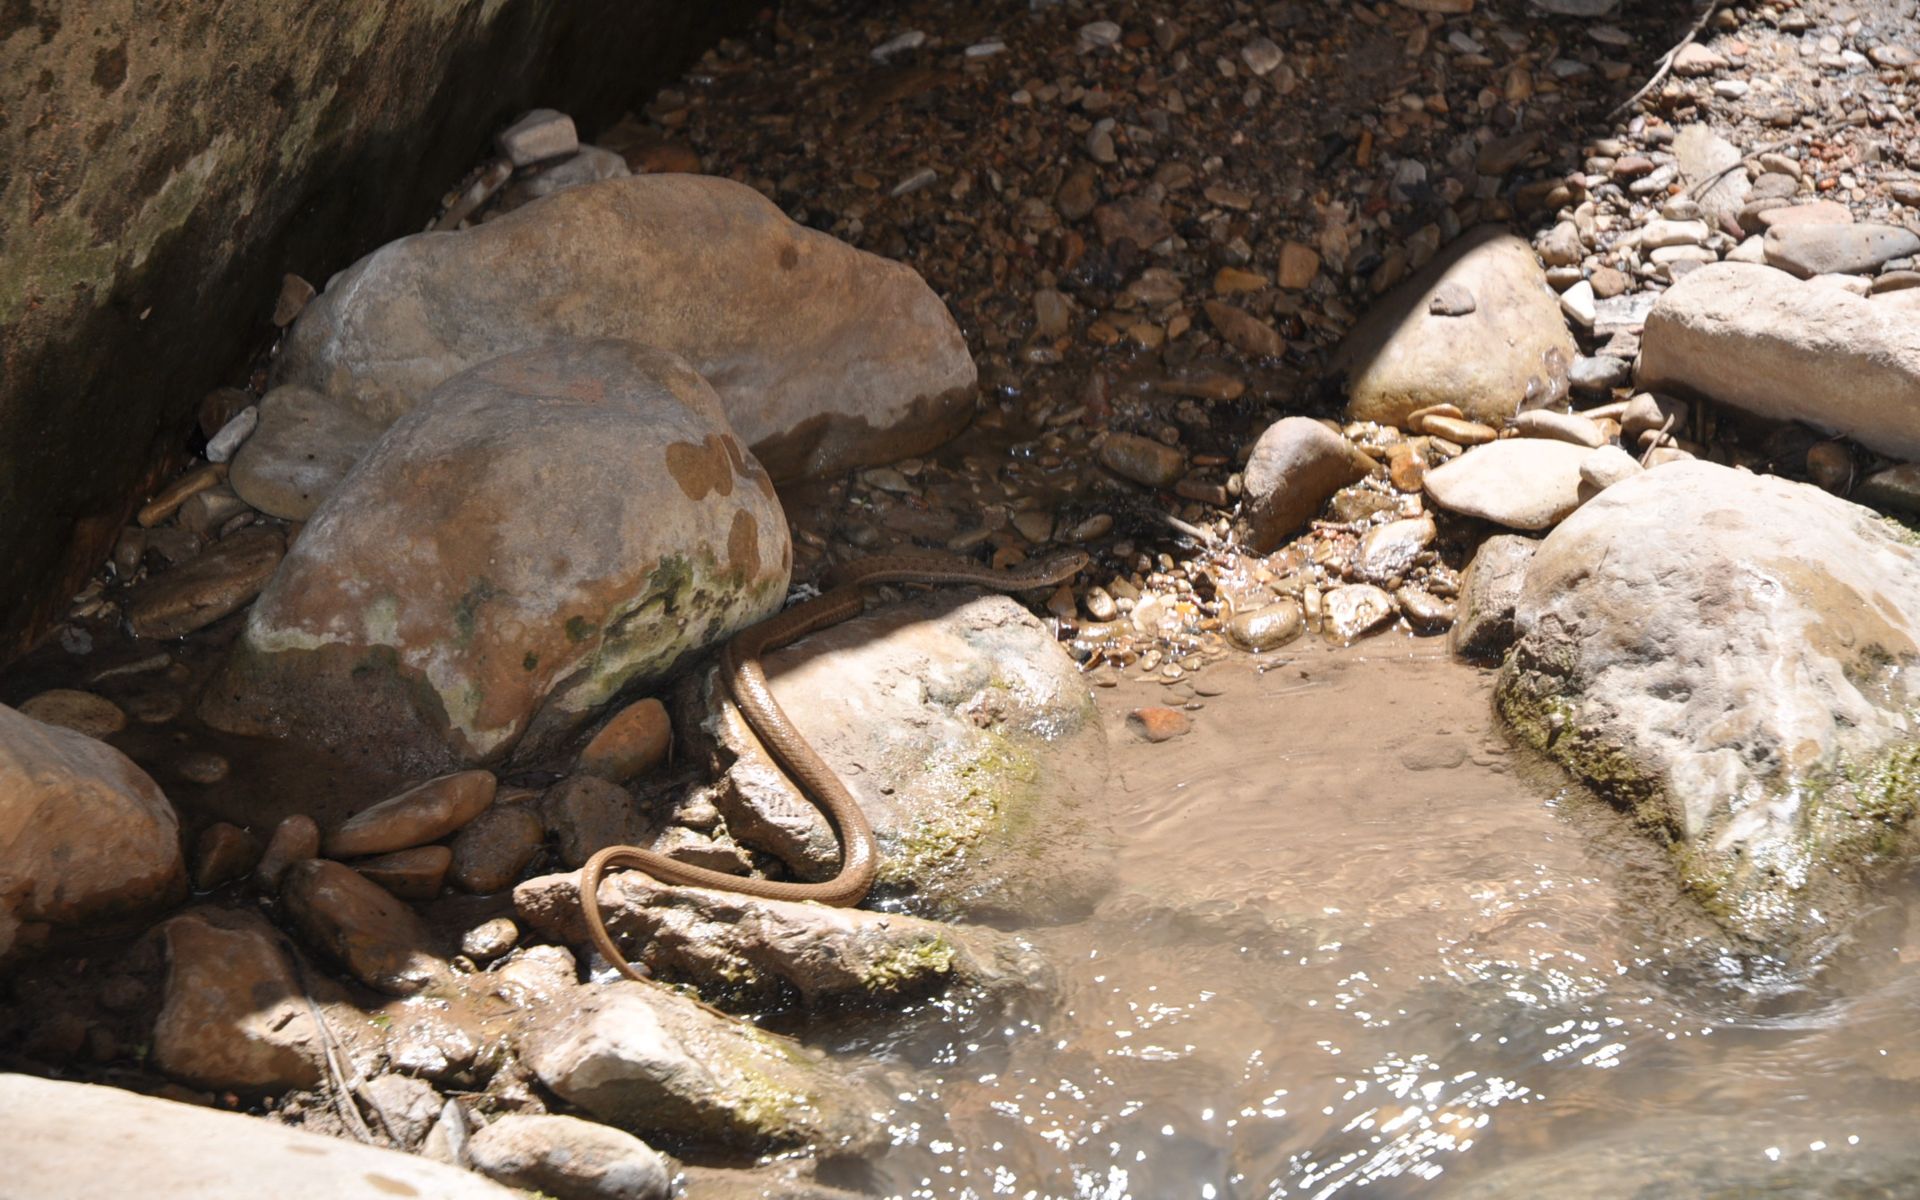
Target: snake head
point(1058, 568)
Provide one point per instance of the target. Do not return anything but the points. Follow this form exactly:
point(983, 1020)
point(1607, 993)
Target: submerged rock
point(544, 530)
point(966, 734)
point(84, 834)
point(219, 581)
point(740, 950)
point(165, 1149)
point(656, 1063)
point(1510, 351)
point(824, 357)
point(1731, 655)
point(1760, 340)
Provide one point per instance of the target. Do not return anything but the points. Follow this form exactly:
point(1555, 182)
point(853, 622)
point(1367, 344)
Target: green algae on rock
point(508, 557)
point(1730, 657)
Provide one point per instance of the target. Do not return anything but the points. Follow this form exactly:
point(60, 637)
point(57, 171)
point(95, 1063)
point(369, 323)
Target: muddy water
point(1356, 942)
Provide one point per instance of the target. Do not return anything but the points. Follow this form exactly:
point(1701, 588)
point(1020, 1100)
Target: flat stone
point(83, 712)
point(421, 814)
point(305, 445)
point(1600, 373)
point(1702, 156)
point(1814, 212)
point(1402, 356)
point(85, 835)
point(823, 357)
point(222, 580)
point(1837, 249)
point(1522, 483)
point(166, 1149)
point(1243, 331)
point(537, 136)
point(1296, 464)
point(359, 925)
point(234, 1017)
point(1757, 339)
point(569, 1159)
point(1565, 427)
point(1158, 723)
point(1658, 233)
point(1142, 459)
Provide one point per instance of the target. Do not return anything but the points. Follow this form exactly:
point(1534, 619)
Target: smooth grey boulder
point(1760, 340)
point(85, 835)
point(542, 531)
point(656, 1063)
point(966, 734)
point(740, 950)
point(1512, 351)
point(166, 1150)
point(1810, 249)
point(1522, 483)
point(824, 357)
point(1731, 656)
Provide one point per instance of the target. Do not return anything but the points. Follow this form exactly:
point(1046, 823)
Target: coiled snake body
point(740, 665)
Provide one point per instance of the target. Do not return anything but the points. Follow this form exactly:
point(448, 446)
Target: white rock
point(1522, 483)
point(220, 446)
point(1579, 303)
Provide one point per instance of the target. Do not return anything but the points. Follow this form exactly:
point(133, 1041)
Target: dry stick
point(1659, 440)
point(1666, 61)
point(340, 1077)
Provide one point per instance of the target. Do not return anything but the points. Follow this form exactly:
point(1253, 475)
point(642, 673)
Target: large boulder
point(84, 834)
point(1761, 340)
point(824, 356)
point(169, 1150)
point(545, 529)
point(1731, 656)
point(966, 734)
point(1478, 328)
point(656, 1063)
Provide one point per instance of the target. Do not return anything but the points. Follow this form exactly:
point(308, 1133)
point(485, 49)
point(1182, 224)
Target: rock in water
point(1761, 340)
point(165, 1149)
point(654, 1062)
point(741, 950)
point(824, 357)
point(1511, 352)
point(1732, 656)
point(544, 530)
point(84, 834)
point(967, 736)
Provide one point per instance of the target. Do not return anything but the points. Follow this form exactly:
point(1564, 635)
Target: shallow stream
point(1356, 942)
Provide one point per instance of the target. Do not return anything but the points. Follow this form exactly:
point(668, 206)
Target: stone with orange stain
point(824, 356)
point(635, 741)
point(544, 531)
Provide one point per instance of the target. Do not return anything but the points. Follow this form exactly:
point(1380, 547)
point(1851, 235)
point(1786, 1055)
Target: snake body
point(747, 683)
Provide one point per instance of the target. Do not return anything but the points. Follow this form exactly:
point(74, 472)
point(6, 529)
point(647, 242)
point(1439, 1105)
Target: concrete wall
point(163, 162)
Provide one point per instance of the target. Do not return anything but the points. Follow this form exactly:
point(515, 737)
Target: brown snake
point(740, 665)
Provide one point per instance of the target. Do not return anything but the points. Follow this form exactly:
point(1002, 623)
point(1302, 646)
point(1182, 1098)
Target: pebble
point(912, 39)
point(1269, 626)
point(1099, 34)
point(83, 712)
point(584, 813)
point(1245, 333)
point(295, 839)
point(1578, 303)
point(1458, 431)
point(1522, 483)
point(168, 499)
point(201, 766)
point(216, 583)
point(634, 741)
point(1299, 264)
point(1830, 466)
point(1817, 212)
point(1650, 411)
point(221, 854)
point(421, 814)
point(1158, 724)
point(1451, 299)
point(1599, 373)
point(1388, 552)
point(1425, 612)
point(570, 1159)
point(220, 446)
point(490, 939)
point(1658, 233)
point(1565, 427)
point(1142, 460)
point(1605, 467)
point(1261, 56)
point(1355, 609)
point(538, 136)
point(1808, 250)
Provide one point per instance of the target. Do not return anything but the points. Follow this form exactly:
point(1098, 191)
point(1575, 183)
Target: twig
point(342, 1080)
point(1666, 61)
point(1178, 526)
point(1659, 440)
